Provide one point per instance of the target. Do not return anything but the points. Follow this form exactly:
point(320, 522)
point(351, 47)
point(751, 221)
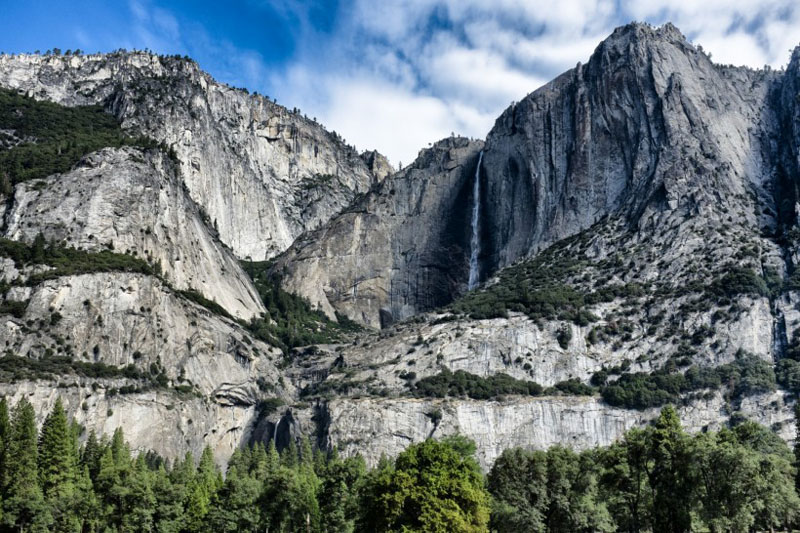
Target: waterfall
point(475, 241)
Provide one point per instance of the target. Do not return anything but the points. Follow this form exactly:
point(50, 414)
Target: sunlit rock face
point(400, 249)
point(131, 201)
point(648, 171)
point(263, 174)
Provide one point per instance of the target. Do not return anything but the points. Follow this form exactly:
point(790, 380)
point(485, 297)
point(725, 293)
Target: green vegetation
point(290, 321)
point(51, 483)
point(747, 374)
point(554, 286)
point(464, 384)
point(15, 309)
point(563, 336)
point(318, 180)
point(432, 486)
point(51, 138)
point(787, 371)
point(787, 374)
point(657, 479)
point(69, 261)
point(14, 368)
point(572, 387)
point(535, 287)
point(545, 287)
point(199, 299)
point(329, 388)
point(738, 281)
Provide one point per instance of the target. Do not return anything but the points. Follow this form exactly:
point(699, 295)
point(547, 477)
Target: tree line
point(656, 479)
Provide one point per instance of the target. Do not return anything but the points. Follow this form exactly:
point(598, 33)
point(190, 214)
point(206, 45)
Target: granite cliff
point(262, 173)
point(632, 226)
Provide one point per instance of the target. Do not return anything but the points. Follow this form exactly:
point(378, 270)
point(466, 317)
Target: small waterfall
point(475, 241)
point(780, 341)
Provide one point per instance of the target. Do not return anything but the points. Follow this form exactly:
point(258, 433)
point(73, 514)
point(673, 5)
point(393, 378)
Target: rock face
point(400, 249)
point(262, 174)
point(636, 214)
point(121, 319)
point(133, 201)
point(377, 164)
point(649, 130)
point(649, 124)
point(153, 420)
point(519, 347)
point(653, 169)
point(373, 427)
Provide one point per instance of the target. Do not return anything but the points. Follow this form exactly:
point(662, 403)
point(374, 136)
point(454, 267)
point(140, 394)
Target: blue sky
point(394, 75)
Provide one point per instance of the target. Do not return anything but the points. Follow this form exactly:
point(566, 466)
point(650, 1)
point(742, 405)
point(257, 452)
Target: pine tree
point(58, 470)
point(184, 471)
point(337, 494)
point(625, 480)
point(120, 451)
point(105, 482)
point(87, 505)
point(273, 457)
point(169, 514)
point(236, 508)
point(671, 477)
point(6, 187)
point(258, 461)
point(138, 499)
point(56, 454)
point(797, 447)
point(198, 494)
point(5, 437)
point(39, 248)
point(208, 472)
point(24, 507)
point(91, 453)
point(289, 455)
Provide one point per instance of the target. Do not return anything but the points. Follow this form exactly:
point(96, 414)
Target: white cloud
point(479, 76)
point(453, 65)
point(740, 32)
point(374, 115)
point(735, 49)
point(397, 75)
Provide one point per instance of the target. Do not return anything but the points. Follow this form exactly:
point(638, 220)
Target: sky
point(394, 75)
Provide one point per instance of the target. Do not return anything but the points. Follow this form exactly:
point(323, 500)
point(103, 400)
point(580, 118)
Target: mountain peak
point(667, 31)
point(635, 39)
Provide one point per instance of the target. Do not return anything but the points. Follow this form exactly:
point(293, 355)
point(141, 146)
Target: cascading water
point(475, 241)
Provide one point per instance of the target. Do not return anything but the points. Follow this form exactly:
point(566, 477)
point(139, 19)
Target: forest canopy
point(657, 478)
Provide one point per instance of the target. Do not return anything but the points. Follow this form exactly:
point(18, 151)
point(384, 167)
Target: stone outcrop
point(519, 347)
point(377, 164)
point(649, 130)
point(154, 420)
point(132, 201)
point(263, 174)
point(132, 319)
point(400, 249)
point(648, 124)
point(373, 427)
